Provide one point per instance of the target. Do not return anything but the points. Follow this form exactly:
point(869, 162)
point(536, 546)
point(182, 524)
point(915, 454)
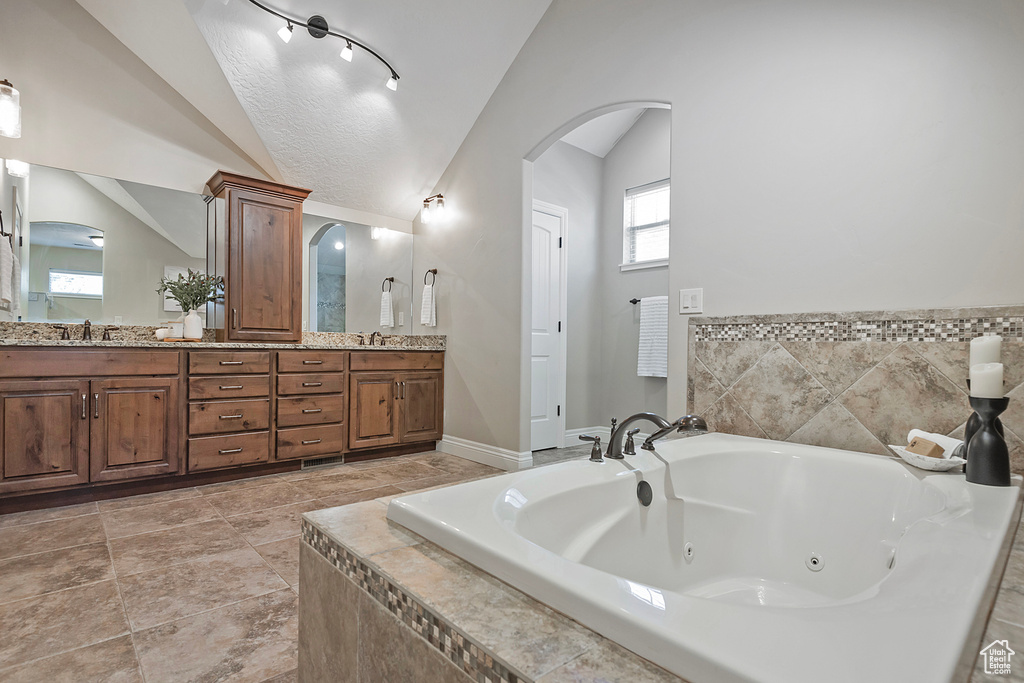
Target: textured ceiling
point(332, 126)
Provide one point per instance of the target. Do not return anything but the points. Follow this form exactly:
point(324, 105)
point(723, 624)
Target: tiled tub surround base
point(196, 584)
point(379, 603)
point(856, 381)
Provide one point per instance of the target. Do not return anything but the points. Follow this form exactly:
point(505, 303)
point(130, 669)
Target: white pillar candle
point(986, 350)
point(987, 380)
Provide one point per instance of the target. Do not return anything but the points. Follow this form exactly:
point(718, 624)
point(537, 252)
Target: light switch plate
point(118, 320)
point(691, 301)
point(401, 318)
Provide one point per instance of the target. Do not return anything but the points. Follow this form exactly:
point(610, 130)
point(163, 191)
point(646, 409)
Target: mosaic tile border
point(925, 330)
point(456, 646)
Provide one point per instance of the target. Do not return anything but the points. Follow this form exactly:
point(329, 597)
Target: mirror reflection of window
point(65, 272)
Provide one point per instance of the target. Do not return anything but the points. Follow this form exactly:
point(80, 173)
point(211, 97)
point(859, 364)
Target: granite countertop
point(143, 336)
point(127, 343)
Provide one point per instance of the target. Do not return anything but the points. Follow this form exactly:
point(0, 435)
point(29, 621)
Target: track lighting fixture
point(317, 27)
point(436, 212)
point(10, 110)
point(286, 32)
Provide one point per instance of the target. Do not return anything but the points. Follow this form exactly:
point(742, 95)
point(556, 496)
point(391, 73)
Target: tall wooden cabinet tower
point(255, 243)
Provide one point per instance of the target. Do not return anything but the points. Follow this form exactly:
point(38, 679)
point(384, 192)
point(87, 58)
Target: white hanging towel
point(652, 358)
point(6, 270)
point(16, 285)
point(428, 309)
point(387, 312)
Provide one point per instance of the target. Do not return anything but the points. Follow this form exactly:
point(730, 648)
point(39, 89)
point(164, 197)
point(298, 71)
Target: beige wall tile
point(328, 621)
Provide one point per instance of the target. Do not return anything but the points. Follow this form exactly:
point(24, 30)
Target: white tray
point(925, 463)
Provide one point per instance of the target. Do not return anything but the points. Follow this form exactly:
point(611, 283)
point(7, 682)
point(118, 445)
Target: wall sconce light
point(377, 233)
point(97, 240)
point(435, 212)
point(18, 169)
point(10, 110)
point(318, 28)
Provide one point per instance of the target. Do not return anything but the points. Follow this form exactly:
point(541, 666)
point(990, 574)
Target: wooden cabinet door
point(372, 411)
point(264, 287)
point(421, 404)
point(44, 435)
point(135, 427)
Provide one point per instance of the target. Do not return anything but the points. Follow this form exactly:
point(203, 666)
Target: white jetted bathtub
point(756, 561)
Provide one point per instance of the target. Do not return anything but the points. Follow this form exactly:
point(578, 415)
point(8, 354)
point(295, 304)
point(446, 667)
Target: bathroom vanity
point(81, 421)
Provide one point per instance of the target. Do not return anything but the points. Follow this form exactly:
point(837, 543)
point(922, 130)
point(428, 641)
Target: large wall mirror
point(95, 248)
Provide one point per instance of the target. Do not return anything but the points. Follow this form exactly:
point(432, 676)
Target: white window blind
point(646, 223)
point(76, 283)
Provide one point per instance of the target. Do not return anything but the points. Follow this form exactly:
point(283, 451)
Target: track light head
point(393, 82)
point(285, 33)
point(346, 52)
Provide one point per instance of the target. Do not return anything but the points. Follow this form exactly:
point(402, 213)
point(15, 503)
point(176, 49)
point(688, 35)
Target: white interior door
point(546, 366)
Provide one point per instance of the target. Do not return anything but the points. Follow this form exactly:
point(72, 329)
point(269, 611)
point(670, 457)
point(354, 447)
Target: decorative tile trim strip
point(480, 664)
point(928, 330)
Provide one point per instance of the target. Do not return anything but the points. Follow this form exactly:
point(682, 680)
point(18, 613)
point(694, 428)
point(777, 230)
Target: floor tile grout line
point(59, 590)
point(213, 609)
point(53, 550)
point(64, 652)
point(128, 620)
point(196, 522)
point(42, 521)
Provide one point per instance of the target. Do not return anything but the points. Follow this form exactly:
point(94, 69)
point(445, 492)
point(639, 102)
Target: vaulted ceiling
point(308, 118)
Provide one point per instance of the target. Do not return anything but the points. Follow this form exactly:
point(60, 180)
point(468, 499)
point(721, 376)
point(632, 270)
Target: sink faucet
point(87, 331)
point(687, 423)
point(376, 334)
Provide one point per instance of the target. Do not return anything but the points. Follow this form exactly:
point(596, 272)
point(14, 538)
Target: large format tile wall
point(856, 381)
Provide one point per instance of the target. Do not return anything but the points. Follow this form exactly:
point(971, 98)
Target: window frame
point(629, 231)
point(70, 295)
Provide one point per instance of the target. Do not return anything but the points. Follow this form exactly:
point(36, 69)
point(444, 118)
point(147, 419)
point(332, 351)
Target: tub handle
point(595, 452)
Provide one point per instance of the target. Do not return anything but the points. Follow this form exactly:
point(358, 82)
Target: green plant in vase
point(192, 291)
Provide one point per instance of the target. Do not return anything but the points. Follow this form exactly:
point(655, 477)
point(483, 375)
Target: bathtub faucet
point(687, 423)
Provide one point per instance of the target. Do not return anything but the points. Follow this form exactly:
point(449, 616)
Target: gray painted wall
point(640, 157)
point(821, 153)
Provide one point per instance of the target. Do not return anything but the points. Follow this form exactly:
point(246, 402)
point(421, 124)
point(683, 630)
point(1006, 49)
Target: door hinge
point(559, 325)
point(559, 242)
point(559, 411)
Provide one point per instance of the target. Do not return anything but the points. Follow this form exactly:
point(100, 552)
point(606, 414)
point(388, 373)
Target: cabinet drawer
point(228, 386)
point(228, 362)
point(314, 383)
point(306, 442)
point(310, 361)
point(396, 360)
point(310, 410)
point(217, 417)
point(211, 452)
point(36, 362)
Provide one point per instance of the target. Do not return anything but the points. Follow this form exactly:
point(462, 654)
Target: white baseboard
point(502, 458)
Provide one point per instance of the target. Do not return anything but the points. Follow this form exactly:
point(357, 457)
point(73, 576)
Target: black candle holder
point(988, 458)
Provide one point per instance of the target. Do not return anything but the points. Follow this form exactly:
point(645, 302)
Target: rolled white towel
point(948, 443)
point(6, 271)
point(387, 312)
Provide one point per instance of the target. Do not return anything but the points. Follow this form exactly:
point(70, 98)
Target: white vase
point(193, 326)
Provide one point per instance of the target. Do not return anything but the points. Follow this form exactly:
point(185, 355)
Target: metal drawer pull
point(232, 362)
point(308, 443)
point(230, 417)
point(312, 362)
point(85, 400)
point(232, 386)
point(225, 451)
point(312, 384)
point(312, 410)
point(96, 405)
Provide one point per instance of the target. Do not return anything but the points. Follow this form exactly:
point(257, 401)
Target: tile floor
point(198, 584)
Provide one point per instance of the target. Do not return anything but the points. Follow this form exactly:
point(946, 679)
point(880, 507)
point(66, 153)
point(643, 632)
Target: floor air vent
point(320, 462)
